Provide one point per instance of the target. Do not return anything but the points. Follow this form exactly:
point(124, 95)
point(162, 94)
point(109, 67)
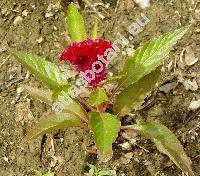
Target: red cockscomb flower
point(84, 57)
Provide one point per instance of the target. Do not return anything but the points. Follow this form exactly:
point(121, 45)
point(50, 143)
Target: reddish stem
point(84, 102)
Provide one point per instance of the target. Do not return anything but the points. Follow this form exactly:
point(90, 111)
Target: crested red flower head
point(88, 58)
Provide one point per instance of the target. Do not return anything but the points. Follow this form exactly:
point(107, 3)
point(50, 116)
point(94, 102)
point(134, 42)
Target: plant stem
point(101, 108)
point(84, 102)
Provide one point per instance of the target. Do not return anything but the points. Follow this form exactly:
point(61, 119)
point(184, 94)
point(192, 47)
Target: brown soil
point(18, 111)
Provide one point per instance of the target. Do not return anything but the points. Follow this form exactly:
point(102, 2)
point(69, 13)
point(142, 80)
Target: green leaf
point(105, 128)
point(59, 100)
point(112, 79)
point(93, 170)
point(66, 103)
point(45, 71)
point(132, 96)
point(98, 97)
point(49, 174)
point(166, 143)
point(105, 173)
point(149, 56)
point(38, 173)
point(95, 30)
point(42, 95)
point(53, 122)
point(75, 24)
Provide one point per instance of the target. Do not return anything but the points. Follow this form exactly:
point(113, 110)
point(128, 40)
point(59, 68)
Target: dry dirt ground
point(38, 27)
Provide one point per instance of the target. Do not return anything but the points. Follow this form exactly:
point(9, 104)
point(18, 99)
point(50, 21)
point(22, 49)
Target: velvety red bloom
point(84, 57)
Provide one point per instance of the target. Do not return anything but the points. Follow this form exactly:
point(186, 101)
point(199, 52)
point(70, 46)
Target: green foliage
point(67, 104)
point(53, 122)
point(49, 173)
point(98, 97)
point(95, 30)
point(149, 56)
point(94, 171)
point(42, 95)
point(45, 71)
point(105, 128)
point(131, 97)
point(75, 24)
point(166, 143)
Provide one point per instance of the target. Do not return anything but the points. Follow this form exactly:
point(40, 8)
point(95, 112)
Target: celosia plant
point(133, 84)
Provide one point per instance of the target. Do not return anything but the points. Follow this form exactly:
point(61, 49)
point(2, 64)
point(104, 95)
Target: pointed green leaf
point(52, 122)
point(166, 143)
point(42, 95)
point(112, 79)
point(59, 99)
point(131, 97)
point(65, 103)
point(105, 173)
point(45, 71)
point(75, 24)
point(93, 170)
point(95, 30)
point(38, 173)
point(105, 128)
point(149, 56)
point(98, 97)
point(49, 174)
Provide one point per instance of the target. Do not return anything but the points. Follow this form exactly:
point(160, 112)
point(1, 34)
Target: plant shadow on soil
point(40, 29)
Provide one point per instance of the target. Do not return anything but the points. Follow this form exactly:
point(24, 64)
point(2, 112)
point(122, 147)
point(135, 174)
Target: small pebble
point(17, 20)
point(55, 28)
point(126, 158)
point(50, 7)
point(125, 146)
point(25, 13)
point(3, 46)
point(5, 159)
point(197, 14)
point(194, 105)
point(190, 58)
point(168, 87)
point(137, 160)
point(113, 172)
point(5, 11)
point(170, 66)
point(40, 40)
point(129, 135)
point(190, 85)
point(143, 3)
point(192, 137)
point(48, 14)
point(110, 74)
